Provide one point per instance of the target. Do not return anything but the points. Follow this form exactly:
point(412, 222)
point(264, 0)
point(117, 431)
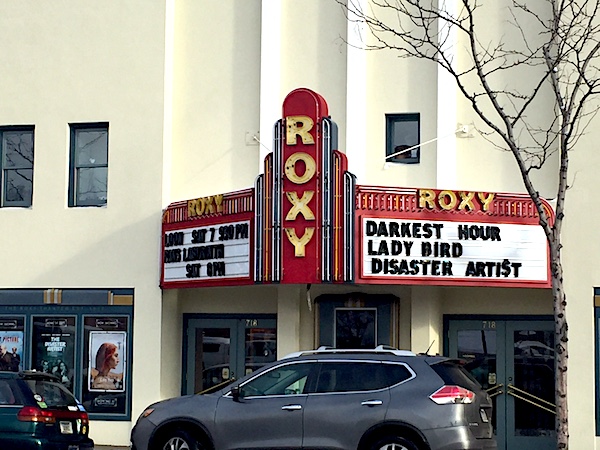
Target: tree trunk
point(562, 352)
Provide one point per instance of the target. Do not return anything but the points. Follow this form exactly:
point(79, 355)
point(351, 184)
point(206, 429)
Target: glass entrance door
point(218, 349)
point(514, 362)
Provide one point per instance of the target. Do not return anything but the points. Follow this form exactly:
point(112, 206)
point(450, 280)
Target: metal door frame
point(503, 324)
point(238, 324)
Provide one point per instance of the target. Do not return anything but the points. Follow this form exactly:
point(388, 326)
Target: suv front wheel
point(392, 442)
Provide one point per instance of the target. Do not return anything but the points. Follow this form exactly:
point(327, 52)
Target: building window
point(402, 137)
point(16, 147)
point(355, 328)
point(357, 320)
point(88, 184)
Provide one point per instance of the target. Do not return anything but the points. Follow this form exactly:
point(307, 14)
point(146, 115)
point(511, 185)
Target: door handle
point(372, 403)
point(531, 399)
point(291, 407)
point(495, 393)
point(495, 390)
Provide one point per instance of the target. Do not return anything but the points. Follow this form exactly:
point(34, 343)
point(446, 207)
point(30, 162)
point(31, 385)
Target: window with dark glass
point(355, 327)
point(284, 380)
point(89, 165)
point(402, 138)
point(351, 376)
point(16, 148)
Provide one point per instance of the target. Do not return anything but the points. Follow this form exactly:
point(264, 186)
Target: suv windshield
point(53, 394)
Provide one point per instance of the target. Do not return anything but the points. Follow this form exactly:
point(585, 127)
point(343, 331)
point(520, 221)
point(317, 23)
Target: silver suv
point(381, 399)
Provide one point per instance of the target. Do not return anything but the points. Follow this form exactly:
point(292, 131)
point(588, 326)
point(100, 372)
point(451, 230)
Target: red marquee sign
point(307, 222)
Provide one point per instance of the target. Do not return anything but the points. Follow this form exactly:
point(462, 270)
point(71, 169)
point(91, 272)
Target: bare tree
point(550, 49)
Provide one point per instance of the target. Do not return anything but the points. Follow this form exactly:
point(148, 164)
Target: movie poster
point(107, 361)
point(106, 364)
point(11, 343)
point(54, 347)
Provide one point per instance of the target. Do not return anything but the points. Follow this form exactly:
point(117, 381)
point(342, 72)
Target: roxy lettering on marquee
point(300, 126)
point(448, 200)
point(205, 206)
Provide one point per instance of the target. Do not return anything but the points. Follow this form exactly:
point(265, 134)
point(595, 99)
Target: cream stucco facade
point(191, 90)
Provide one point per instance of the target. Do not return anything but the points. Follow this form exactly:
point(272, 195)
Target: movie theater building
point(257, 185)
point(309, 257)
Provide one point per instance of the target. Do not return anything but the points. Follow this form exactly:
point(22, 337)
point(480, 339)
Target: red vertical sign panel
point(301, 211)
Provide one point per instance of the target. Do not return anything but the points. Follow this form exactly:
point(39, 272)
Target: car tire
point(180, 440)
point(392, 442)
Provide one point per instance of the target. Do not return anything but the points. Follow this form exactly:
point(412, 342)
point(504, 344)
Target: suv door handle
point(291, 407)
point(372, 403)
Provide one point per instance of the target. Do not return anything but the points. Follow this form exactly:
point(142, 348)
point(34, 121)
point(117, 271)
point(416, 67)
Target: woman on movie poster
point(106, 365)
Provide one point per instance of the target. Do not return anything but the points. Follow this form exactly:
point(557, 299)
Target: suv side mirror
point(236, 393)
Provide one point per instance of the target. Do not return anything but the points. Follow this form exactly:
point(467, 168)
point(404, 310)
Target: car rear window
point(7, 396)
point(55, 395)
point(454, 374)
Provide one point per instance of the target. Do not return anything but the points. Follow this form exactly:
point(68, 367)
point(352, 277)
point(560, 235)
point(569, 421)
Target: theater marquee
point(444, 237)
point(306, 221)
point(208, 241)
point(421, 249)
point(208, 252)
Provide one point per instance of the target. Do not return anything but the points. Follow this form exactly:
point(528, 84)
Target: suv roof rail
point(386, 349)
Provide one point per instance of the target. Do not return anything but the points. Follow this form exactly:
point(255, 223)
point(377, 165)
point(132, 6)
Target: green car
point(38, 412)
